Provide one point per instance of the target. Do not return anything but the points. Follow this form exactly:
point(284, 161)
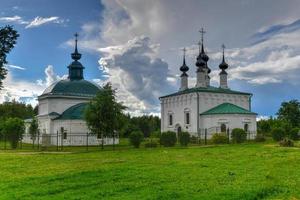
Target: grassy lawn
point(248, 171)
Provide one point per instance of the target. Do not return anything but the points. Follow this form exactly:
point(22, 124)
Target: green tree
point(290, 112)
point(135, 138)
point(8, 39)
point(184, 138)
point(33, 129)
point(16, 109)
point(13, 128)
point(103, 113)
point(238, 135)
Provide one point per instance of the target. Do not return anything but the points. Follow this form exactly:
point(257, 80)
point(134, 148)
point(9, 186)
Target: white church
point(205, 108)
point(61, 109)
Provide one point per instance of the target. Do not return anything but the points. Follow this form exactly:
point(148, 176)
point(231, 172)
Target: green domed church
point(62, 105)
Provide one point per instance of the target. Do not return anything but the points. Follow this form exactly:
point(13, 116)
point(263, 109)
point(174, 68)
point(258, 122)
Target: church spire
point(76, 68)
point(223, 65)
point(184, 68)
point(76, 56)
point(223, 74)
point(184, 77)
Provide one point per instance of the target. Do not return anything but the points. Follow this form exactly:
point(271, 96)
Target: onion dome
point(209, 70)
point(223, 65)
point(202, 54)
point(184, 68)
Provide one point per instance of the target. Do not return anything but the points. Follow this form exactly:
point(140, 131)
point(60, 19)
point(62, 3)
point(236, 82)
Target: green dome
point(74, 112)
point(69, 87)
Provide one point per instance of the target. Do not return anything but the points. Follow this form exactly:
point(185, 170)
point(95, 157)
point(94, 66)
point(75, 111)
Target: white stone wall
point(231, 121)
point(76, 133)
point(177, 105)
point(58, 105)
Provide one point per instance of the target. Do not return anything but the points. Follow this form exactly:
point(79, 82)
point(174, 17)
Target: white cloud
point(51, 77)
point(38, 21)
point(16, 19)
point(137, 72)
point(173, 24)
point(15, 67)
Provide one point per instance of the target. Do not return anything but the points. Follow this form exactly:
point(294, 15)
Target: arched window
point(187, 118)
point(170, 119)
point(246, 127)
point(223, 128)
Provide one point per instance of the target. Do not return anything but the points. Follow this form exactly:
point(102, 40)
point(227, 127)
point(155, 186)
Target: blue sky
point(137, 44)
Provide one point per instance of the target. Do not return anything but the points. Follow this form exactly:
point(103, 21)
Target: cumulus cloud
point(50, 77)
point(271, 57)
point(27, 91)
point(140, 76)
point(20, 90)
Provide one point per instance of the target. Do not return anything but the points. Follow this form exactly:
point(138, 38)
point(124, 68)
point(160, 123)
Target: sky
point(137, 46)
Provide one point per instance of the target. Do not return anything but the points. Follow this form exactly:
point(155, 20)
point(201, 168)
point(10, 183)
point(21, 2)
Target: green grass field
point(248, 171)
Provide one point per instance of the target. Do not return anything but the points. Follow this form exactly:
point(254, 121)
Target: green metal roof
point(74, 112)
point(227, 108)
point(72, 88)
point(210, 89)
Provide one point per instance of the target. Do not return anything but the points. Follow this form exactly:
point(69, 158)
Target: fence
point(58, 141)
point(206, 134)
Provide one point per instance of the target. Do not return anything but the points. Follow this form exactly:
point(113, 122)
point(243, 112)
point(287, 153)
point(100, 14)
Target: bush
point(135, 138)
point(168, 139)
point(260, 138)
point(14, 129)
point(155, 134)
point(184, 138)
point(151, 144)
point(277, 134)
point(194, 140)
point(238, 135)
point(219, 138)
point(294, 134)
point(286, 143)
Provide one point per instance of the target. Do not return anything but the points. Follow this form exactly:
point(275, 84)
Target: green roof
point(210, 89)
point(227, 108)
point(74, 112)
point(68, 87)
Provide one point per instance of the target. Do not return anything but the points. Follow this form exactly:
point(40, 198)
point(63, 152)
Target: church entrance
point(178, 129)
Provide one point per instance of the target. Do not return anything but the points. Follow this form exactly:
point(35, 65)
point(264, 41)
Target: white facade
point(179, 105)
point(61, 106)
point(205, 108)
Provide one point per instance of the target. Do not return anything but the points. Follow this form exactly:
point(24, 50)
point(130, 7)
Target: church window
point(246, 127)
point(170, 119)
point(223, 128)
point(187, 118)
point(65, 135)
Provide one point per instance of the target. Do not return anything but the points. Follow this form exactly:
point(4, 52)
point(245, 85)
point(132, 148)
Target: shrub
point(184, 138)
point(14, 129)
point(168, 139)
point(135, 138)
point(277, 134)
point(155, 134)
point(294, 134)
point(151, 144)
point(219, 138)
point(286, 143)
point(260, 138)
point(238, 135)
point(194, 140)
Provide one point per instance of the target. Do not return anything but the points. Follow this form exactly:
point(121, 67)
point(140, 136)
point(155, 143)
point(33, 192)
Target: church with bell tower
point(204, 108)
point(61, 109)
